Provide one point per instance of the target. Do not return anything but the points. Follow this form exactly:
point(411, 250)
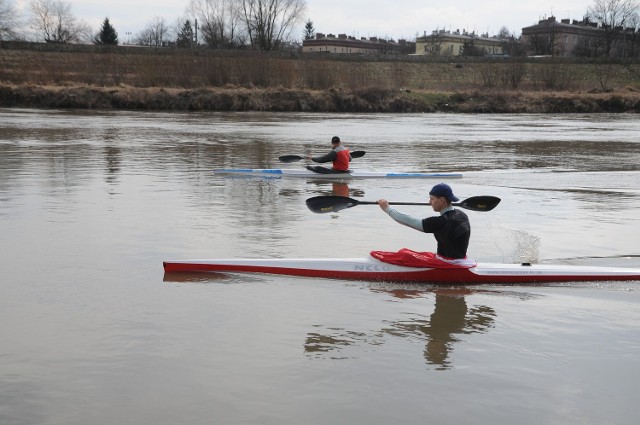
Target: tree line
point(270, 25)
point(259, 24)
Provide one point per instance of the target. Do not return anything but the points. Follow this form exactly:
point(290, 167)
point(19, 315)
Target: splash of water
point(515, 246)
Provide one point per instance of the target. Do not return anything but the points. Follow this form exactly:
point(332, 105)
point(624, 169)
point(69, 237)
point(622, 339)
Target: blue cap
point(443, 190)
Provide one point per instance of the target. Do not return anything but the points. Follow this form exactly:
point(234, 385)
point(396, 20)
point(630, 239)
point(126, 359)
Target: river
point(93, 332)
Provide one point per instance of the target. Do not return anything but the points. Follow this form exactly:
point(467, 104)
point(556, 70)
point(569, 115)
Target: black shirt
point(452, 231)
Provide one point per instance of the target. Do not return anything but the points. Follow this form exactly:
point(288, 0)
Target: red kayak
point(371, 269)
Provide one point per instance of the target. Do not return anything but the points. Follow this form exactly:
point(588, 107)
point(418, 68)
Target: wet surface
point(91, 203)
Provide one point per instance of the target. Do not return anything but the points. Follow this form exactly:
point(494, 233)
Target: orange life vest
point(342, 160)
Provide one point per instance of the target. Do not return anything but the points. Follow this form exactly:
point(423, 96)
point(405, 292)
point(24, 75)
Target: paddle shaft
point(325, 204)
point(293, 158)
point(398, 203)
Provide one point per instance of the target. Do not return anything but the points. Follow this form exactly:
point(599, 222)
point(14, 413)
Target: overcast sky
point(359, 18)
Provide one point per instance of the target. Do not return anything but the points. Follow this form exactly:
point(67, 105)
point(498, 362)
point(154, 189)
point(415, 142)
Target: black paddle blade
point(290, 158)
point(357, 154)
point(327, 204)
point(480, 203)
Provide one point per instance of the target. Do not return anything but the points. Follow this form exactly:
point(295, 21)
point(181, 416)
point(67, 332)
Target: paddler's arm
point(407, 220)
point(330, 157)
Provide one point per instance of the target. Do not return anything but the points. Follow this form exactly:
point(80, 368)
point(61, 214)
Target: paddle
point(294, 158)
point(326, 204)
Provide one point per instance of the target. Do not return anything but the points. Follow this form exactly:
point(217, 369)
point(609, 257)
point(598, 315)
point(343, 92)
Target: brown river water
point(93, 332)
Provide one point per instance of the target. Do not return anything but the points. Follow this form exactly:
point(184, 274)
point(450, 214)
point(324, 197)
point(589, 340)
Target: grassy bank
point(282, 99)
point(175, 79)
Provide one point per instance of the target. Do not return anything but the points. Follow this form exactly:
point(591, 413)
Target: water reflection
point(325, 188)
point(336, 188)
point(113, 158)
point(340, 189)
point(451, 318)
point(192, 277)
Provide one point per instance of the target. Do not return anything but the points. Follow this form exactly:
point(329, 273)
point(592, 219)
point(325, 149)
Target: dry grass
point(139, 78)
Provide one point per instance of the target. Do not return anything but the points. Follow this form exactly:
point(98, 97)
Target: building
point(578, 38)
point(549, 37)
point(447, 43)
point(344, 44)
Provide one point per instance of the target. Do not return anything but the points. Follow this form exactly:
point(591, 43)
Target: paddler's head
point(441, 196)
point(335, 141)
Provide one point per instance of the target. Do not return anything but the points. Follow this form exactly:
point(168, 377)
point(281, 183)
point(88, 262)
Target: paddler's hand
point(384, 204)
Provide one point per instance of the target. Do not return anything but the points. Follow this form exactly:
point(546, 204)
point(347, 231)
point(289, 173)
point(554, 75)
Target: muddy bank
point(333, 100)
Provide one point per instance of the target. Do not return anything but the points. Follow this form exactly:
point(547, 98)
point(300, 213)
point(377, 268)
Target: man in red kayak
point(339, 155)
point(451, 228)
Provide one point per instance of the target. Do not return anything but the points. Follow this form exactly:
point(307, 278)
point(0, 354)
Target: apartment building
point(577, 38)
point(343, 44)
point(448, 43)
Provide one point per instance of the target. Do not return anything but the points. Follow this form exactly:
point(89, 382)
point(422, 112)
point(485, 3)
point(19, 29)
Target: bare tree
point(220, 22)
point(511, 45)
point(269, 23)
point(634, 37)
point(589, 47)
point(155, 33)
point(613, 16)
point(433, 46)
point(8, 21)
point(469, 48)
point(54, 20)
point(543, 44)
point(504, 33)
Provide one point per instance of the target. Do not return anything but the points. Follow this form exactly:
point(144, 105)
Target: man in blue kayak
point(339, 156)
point(451, 228)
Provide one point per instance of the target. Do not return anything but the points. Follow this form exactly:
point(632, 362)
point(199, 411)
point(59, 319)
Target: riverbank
point(332, 100)
point(133, 78)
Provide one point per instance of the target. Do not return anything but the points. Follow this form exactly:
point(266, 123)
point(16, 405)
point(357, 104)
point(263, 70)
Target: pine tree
point(107, 34)
point(185, 37)
point(309, 30)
